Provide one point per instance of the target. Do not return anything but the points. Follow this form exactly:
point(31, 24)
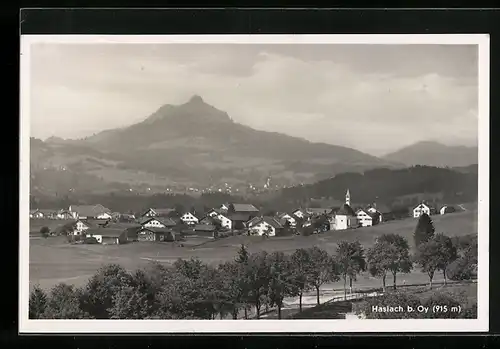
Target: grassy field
point(53, 260)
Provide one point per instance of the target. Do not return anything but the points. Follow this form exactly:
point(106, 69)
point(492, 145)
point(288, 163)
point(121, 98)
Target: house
point(248, 209)
point(345, 217)
point(224, 208)
point(43, 213)
point(158, 212)
point(153, 234)
point(300, 213)
point(447, 209)
point(36, 214)
point(268, 226)
point(155, 222)
point(64, 214)
point(252, 221)
point(213, 212)
point(285, 217)
point(421, 209)
point(189, 218)
point(364, 218)
point(205, 230)
point(225, 222)
point(381, 209)
point(108, 236)
point(90, 212)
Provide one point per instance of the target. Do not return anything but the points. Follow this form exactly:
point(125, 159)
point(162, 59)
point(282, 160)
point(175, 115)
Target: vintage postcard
point(254, 183)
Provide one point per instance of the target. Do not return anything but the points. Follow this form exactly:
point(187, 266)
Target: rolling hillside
point(435, 154)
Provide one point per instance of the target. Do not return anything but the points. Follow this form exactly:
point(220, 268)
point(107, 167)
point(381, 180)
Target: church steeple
point(348, 198)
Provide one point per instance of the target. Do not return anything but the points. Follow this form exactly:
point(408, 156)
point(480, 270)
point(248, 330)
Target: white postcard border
point(481, 324)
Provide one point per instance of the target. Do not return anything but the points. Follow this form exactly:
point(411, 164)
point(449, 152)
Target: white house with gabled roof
point(189, 218)
point(421, 209)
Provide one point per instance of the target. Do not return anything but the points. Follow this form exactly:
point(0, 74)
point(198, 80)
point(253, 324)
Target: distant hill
point(190, 144)
point(397, 187)
point(435, 154)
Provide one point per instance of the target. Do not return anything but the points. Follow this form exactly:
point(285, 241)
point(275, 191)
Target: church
point(345, 217)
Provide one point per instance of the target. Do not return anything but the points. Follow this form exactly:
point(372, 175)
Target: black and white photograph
point(311, 183)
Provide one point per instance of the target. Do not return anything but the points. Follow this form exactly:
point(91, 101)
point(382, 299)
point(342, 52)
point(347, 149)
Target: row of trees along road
point(191, 289)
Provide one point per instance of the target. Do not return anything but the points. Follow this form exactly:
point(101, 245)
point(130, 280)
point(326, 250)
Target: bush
point(461, 269)
point(45, 232)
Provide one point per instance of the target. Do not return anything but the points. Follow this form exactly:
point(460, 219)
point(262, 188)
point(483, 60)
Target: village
point(96, 224)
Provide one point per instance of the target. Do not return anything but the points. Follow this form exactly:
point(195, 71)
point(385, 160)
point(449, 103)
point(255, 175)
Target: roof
point(157, 230)
point(420, 204)
point(48, 211)
point(271, 221)
point(253, 221)
point(244, 217)
point(90, 210)
point(345, 210)
point(244, 208)
point(164, 220)
point(281, 215)
point(124, 226)
point(162, 211)
point(106, 232)
point(319, 210)
point(204, 227)
point(95, 222)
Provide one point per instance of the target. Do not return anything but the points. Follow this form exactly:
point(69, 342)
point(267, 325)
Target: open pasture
point(53, 260)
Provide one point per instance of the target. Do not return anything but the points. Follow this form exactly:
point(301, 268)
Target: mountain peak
point(196, 99)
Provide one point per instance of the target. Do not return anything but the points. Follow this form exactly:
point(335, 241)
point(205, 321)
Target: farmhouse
point(365, 218)
point(300, 213)
point(64, 214)
point(158, 212)
point(36, 214)
point(154, 222)
point(189, 218)
point(43, 213)
point(205, 230)
point(447, 209)
point(345, 217)
point(266, 226)
point(224, 208)
point(285, 217)
point(90, 212)
point(252, 221)
point(421, 209)
point(153, 234)
point(248, 209)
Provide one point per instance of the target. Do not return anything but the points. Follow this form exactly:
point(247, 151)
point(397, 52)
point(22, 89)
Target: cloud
point(80, 90)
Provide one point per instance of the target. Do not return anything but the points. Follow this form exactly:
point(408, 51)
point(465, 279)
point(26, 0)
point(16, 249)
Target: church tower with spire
point(348, 198)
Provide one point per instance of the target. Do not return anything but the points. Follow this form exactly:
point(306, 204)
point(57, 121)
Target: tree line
point(191, 289)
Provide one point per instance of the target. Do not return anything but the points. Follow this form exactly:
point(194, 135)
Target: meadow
point(53, 260)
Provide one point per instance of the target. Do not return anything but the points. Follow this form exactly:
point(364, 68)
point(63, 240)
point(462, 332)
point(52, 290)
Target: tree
point(391, 253)
point(379, 259)
point(281, 281)
point(447, 252)
point(428, 258)
point(231, 287)
point(45, 232)
point(37, 303)
point(320, 269)
point(424, 230)
point(257, 279)
point(350, 261)
point(301, 263)
point(130, 303)
point(63, 303)
point(98, 294)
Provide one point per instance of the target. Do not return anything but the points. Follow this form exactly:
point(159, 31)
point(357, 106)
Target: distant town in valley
point(194, 212)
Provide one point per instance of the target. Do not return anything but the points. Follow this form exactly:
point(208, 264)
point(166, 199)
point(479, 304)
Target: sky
point(373, 98)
